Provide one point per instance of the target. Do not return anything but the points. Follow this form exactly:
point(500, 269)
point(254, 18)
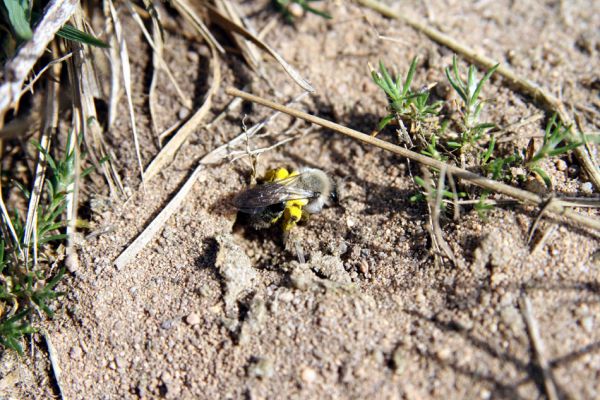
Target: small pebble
point(308, 375)
point(295, 10)
point(261, 368)
point(588, 324)
point(75, 352)
point(183, 112)
point(120, 361)
point(193, 319)
point(168, 324)
point(286, 296)
point(561, 165)
point(587, 188)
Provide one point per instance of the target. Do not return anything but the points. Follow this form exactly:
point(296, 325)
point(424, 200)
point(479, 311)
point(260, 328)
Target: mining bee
point(286, 197)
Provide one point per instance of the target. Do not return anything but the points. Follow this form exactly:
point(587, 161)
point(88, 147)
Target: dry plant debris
point(123, 270)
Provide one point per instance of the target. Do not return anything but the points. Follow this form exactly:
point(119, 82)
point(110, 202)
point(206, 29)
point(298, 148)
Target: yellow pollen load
point(292, 212)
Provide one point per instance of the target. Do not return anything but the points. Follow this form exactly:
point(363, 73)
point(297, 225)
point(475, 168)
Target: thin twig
point(436, 212)
point(50, 126)
point(29, 85)
point(539, 94)
point(167, 153)
point(158, 56)
point(54, 364)
point(547, 233)
point(538, 218)
point(519, 124)
point(538, 347)
point(126, 71)
point(475, 179)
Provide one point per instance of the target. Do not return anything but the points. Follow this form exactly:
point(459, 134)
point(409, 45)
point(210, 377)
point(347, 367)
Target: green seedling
point(431, 150)
point(12, 329)
point(397, 91)
point(446, 194)
point(295, 8)
point(558, 140)
point(24, 284)
point(403, 103)
point(482, 207)
point(469, 91)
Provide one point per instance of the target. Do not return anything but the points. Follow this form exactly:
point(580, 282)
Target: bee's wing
point(256, 198)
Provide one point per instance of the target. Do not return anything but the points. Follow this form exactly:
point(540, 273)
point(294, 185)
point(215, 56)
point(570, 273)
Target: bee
point(289, 197)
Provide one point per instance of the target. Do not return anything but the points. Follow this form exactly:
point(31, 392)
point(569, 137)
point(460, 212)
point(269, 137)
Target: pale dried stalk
point(85, 87)
point(187, 11)
point(125, 69)
point(167, 153)
point(227, 24)
point(538, 347)
point(249, 52)
point(467, 176)
point(55, 15)
point(157, 53)
point(29, 86)
point(50, 126)
point(547, 100)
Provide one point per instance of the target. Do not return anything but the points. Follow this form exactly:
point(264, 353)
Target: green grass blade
point(485, 78)
point(409, 76)
point(18, 16)
point(69, 32)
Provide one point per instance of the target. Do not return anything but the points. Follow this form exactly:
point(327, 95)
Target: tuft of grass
point(558, 141)
point(469, 144)
point(404, 104)
point(472, 129)
point(29, 283)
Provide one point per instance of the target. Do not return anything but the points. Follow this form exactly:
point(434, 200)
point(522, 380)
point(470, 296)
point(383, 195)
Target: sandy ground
point(213, 309)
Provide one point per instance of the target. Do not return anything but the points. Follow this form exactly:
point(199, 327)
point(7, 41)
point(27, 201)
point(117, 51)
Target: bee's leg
point(305, 216)
point(291, 215)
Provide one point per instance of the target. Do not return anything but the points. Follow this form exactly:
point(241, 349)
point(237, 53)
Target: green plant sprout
point(469, 92)
point(26, 285)
point(446, 194)
point(554, 135)
point(403, 103)
point(294, 8)
point(431, 150)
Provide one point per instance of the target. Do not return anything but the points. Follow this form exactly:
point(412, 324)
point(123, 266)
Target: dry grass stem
point(29, 86)
point(249, 51)
point(157, 52)
point(548, 232)
point(538, 347)
point(56, 14)
point(51, 111)
point(513, 127)
point(54, 364)
point(227, 24)
point(548, 101)
point(187, 11)
point(167, 153)
point(472, 178)
point(126, 71)
point(435, 208)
